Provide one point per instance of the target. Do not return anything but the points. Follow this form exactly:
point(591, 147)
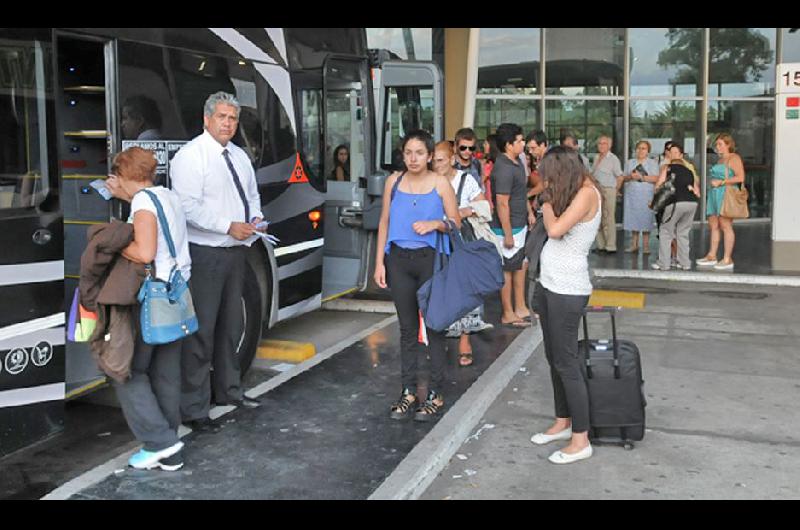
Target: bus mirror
point(375, 184)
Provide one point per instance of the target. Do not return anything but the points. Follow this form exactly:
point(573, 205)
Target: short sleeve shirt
point(607, 170)
point(470, 191)
point(510, 179)
point(173, 211)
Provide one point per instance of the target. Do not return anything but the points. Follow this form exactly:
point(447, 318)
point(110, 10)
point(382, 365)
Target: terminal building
point(657, 84)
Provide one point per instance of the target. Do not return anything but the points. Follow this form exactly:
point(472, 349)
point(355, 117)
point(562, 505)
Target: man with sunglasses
point(466, 145)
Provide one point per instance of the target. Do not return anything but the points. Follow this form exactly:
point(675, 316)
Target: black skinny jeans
point(406, 271)
point(560, 316)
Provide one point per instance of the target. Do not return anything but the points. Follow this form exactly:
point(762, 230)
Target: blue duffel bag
point(474, 270)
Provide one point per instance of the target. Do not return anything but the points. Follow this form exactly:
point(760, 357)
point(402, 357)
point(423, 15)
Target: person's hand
point(380, 276)
point(531, 219)
point(115, 188)
point(425, 227)
point(716, 183)
point(635, 175)
point(465, 211)
point(241, 231)
point(255, 221)
point(508, 241)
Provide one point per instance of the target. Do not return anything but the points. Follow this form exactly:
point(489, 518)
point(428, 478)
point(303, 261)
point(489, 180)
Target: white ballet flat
point(560, 457)
point(541, 438)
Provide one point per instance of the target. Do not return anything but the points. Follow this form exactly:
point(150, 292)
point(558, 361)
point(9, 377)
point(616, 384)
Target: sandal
point(429, 409)
point(465, 358)
point(402, 406)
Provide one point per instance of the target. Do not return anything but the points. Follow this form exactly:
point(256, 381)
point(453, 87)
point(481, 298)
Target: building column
point(786, 194)
point(456, 66)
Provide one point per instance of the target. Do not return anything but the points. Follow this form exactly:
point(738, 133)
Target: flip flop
point(516, 324)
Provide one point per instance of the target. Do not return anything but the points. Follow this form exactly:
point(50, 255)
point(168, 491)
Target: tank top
point(718, 172)
point(565, 262)
point(408, 208)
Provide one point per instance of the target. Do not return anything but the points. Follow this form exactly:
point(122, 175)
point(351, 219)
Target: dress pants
point(216, 284)
point(151, 398)
point(607, 234)
point(678, 224)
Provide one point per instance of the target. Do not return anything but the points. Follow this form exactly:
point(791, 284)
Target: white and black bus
point(70, 98)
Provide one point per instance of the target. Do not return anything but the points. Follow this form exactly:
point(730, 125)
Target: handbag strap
point(394, 187)
point(162, 218)
point(461, 188)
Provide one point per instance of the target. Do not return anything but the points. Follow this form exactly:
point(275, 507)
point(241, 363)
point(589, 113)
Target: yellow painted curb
point(285, 350)
point(617, 299)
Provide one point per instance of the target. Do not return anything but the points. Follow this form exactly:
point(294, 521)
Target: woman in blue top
point(728, 171)
point(405, 258)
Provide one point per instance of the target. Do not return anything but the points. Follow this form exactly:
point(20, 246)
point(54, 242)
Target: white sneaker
point(723, 267)
point(687, 268)
point(541, 438)
point(560, 457)
point(705, 262)
point(656, 266)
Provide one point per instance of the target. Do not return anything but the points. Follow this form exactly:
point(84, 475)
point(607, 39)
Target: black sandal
point(401, 408)
point(429, 410)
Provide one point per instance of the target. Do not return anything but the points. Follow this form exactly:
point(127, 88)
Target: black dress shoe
point(203, 425)
point(247, 403)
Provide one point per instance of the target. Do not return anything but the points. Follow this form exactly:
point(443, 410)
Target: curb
point(700, 277)
point(421, 466)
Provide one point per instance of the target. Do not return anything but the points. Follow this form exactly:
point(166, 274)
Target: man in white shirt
point(216, 183)
point(606, 169)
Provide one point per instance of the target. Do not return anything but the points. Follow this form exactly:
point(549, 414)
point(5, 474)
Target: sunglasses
point(472, 148)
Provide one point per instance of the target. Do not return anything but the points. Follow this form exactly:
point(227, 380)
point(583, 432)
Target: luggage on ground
point(613, 373)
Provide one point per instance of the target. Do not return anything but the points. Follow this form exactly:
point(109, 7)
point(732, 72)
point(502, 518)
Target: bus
point(71, 98)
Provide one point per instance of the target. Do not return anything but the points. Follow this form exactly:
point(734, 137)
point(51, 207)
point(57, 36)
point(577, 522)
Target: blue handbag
point(167, 312)
point(473, 271)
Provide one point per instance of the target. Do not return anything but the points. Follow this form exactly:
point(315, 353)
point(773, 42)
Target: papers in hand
point(100, 186)
point(269, 237)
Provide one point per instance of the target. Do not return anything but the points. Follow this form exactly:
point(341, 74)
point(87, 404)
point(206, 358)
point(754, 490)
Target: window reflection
point(752, 125)
point(585, 61)
point(25, 87)
point(790, 46)
point(489, 113)
point(666, 61)
point(508, 61)
point(412, 44)
point(587, 120)
point(742, 62)
point(660, 121)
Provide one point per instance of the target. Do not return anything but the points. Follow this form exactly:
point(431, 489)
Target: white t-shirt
point(173, 211)
point(470, 191)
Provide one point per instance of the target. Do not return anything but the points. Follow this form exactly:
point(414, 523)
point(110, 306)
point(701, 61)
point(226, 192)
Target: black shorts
point(515, 262)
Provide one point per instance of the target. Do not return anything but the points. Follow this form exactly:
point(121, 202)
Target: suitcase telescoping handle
point(612, 311)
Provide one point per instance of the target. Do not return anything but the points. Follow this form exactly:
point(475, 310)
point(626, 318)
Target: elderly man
point(606, 169)
point(217, 186)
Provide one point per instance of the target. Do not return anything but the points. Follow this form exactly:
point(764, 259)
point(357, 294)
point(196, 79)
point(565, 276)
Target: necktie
point(238, 183)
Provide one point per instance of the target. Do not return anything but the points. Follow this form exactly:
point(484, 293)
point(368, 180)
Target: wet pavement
point(325, 434)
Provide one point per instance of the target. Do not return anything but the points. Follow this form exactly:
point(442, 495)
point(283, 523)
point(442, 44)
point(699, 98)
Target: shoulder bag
point(734, 202)
point(473, 271)
point(167, 312)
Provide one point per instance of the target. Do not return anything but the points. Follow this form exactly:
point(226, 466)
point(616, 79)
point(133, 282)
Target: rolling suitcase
point(613, 373)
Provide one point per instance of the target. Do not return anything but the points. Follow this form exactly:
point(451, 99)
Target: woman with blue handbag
point(150, 399)
point(415, 204)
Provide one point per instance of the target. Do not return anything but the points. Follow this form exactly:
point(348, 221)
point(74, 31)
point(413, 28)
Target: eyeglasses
point(472, 148)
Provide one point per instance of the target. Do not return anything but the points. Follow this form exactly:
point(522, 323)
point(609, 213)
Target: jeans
point(406, 271)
